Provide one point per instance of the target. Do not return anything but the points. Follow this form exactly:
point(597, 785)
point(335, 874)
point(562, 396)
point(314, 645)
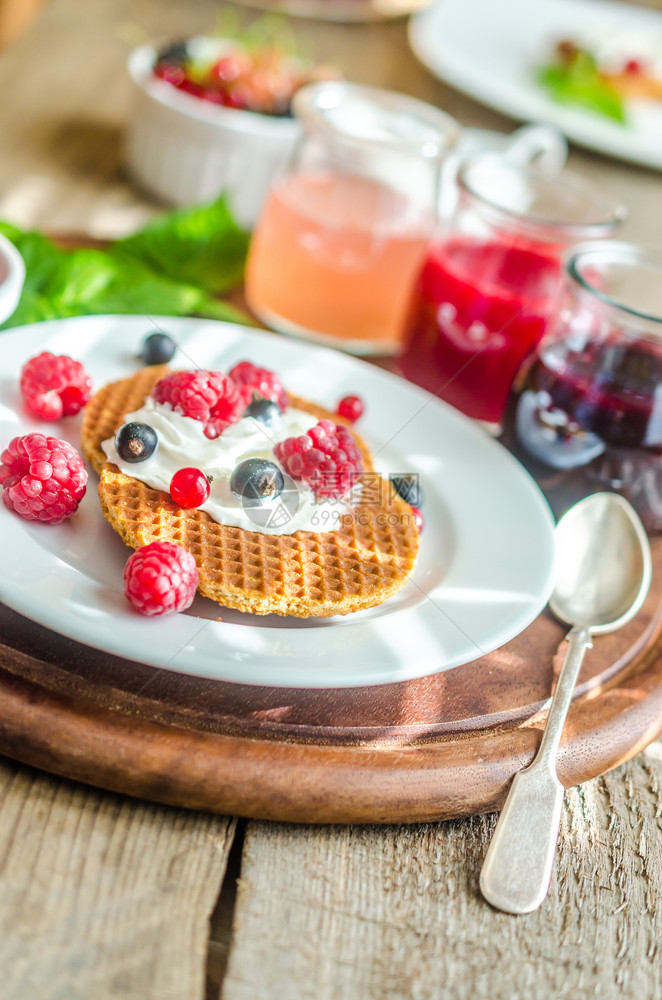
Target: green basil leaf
point(580, 82)
point(40, 255)
point(201, 246)
point(167, 269)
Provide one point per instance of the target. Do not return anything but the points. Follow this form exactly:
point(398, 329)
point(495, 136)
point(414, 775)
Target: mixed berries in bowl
point(212, 115)
point(258, 78)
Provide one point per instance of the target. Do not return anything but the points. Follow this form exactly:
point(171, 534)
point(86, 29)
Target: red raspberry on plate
point(326, 457)
point(252, 379)
point(42, 478)
point(210, 397)
point(54, 386)
point(160, 578)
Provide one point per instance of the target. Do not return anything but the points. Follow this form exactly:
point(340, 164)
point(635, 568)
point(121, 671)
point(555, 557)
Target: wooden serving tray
point(432, 748)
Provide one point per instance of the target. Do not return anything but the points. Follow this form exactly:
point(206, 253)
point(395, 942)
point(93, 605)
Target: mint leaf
point(42, 259)
point(80, 279)
point(32, 308)
point(211, 308)
point(201, 246)
point(168, 268)
point(579, 81)
point(40, 255)
point(97, 281)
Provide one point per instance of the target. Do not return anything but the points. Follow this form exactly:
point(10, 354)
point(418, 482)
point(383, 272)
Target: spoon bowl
point(602, 564)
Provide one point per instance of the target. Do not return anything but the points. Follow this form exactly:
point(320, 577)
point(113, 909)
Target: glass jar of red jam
point(593, 393)
point(491, 279)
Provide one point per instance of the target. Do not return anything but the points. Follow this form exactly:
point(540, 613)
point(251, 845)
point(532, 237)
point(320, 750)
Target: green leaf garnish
point(579, 81)
point(273, 30)
point(202, 245)
point(169, 268)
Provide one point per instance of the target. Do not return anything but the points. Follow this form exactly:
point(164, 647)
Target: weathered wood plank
point(365, 913)
point(103, 896)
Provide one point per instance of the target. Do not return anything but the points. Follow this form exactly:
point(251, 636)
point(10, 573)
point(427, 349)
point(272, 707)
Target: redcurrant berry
point(418, 519)
point(351, 408)
point(189, 488)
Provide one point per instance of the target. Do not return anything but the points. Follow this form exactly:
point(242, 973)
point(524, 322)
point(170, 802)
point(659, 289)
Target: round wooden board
point(432, 748)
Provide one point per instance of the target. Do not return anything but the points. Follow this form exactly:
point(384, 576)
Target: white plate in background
point(491, 50)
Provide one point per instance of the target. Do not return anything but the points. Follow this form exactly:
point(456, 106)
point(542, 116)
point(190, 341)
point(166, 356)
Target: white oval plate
point(491, 51)
point(483, 574)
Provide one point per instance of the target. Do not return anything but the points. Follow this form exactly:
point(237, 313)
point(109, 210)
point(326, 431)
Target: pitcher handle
point(542, 145)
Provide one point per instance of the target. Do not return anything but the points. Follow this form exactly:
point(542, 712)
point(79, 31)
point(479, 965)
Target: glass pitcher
point(593, 395)
point(345, 227)
point(492, 277)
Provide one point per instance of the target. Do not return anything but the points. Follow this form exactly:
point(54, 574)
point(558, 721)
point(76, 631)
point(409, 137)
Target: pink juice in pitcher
point(482, 307)
point(336, 256)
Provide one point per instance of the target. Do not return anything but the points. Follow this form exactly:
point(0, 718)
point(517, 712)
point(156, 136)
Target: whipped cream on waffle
point(182, 444)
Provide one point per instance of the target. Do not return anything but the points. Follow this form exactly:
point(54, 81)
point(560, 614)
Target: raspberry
point(160, 578)
point(326, 458)
point(210, 397)
point(252, 379)
point(54, 386)
point(351, 408)
point(42, 478)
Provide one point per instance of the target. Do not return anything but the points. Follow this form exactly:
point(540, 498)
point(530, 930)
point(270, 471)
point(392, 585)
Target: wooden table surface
point(104, 896)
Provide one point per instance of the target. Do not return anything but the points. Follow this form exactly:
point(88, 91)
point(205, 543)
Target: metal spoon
point(602, 575)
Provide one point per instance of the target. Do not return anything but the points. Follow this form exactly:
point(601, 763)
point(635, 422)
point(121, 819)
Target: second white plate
point(491, 51)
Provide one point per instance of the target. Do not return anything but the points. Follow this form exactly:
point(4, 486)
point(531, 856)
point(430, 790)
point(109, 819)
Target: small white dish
point(187, 151)
point(491, 52)
point(12, 277)
point(483, 574)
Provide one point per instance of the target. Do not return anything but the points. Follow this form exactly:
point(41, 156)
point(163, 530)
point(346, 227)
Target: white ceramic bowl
point(186, 151)
point(12, 276)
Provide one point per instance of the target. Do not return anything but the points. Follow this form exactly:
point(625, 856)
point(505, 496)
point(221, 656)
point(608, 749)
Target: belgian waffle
point(306, 574)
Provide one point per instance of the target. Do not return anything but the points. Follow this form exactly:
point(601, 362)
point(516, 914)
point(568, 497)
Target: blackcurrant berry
point(174, 53)
point(409, 488)
point(157, 349)
point(256, 480)
point(264, 410)
point(136, 442)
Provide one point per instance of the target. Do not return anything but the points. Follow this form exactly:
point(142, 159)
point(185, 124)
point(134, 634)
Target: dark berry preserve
point(610, 387)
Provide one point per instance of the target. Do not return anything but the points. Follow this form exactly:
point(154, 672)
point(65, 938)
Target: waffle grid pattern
point(305, 574)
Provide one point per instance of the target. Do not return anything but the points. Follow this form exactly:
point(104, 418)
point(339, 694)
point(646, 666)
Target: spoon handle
point(518, 865)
